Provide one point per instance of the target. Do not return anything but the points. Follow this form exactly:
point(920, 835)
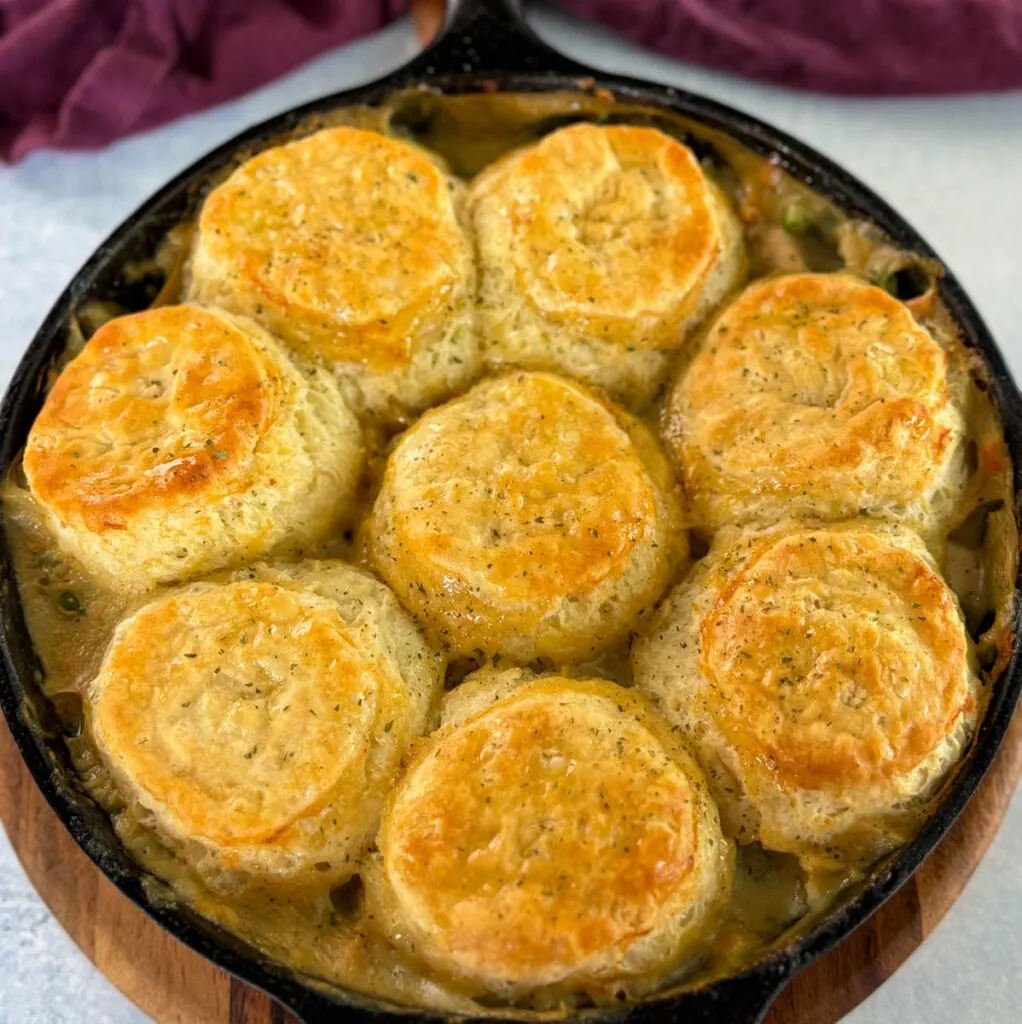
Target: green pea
point(884, 279)
point(70, 601)
point(796, 219)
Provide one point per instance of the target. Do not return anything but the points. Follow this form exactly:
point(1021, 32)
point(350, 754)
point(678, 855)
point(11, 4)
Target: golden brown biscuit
point(347, 245)
point(558, 841)
point(528, 518)
point(182, 440)
point(599, 248)
point(258, 721)
point(817, 394)
point(825, 678)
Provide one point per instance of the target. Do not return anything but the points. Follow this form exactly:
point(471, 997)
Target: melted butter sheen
point(527, 518)
point(285, 226)
point(815, 394)
point(830, 620)
point(543, 834)
point(299, 657)
point(614, 227)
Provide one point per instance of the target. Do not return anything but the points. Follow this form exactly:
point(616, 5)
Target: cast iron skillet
point(484, 46)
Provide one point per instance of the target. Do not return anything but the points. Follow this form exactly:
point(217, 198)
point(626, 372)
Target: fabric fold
point(78, 74)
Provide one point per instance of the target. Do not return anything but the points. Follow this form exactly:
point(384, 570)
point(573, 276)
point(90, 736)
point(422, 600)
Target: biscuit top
point(501, 504)
point(160, 408)
point(817, 389)
point(563, 497)
point(242, 709)
point(347, 233)
point(542, 832)
point(611, 227)
point(833, 659)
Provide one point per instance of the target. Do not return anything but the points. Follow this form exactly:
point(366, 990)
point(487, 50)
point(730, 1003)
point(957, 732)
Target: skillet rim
point(745, 996)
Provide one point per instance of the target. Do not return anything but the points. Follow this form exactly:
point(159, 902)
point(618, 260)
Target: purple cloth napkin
point(80, 73)
point(864, 47)
point(77, 74)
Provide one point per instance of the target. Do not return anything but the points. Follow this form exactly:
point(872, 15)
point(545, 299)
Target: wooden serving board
point(173, 985)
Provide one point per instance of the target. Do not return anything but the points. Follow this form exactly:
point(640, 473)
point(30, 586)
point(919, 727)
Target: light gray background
point(952, 166)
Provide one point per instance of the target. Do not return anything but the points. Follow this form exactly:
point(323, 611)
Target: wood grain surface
point(173, 985)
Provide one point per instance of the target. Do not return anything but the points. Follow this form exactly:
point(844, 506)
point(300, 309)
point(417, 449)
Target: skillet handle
point(486, 37)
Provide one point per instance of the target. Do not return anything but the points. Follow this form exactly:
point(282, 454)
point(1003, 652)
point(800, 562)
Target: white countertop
point(951, 166)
